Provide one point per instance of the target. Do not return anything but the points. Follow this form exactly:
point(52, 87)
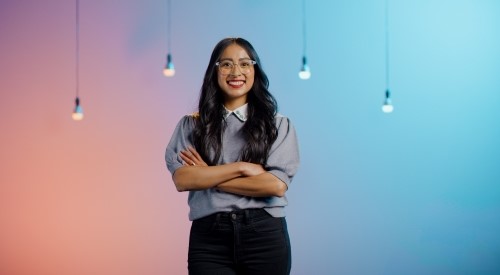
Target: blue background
point(416, 191)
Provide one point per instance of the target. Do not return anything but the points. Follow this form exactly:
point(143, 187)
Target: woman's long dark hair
point(259, 129)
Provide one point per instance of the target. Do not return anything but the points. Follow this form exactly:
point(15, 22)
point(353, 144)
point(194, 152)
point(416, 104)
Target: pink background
point(413, 192)
point(88, 197)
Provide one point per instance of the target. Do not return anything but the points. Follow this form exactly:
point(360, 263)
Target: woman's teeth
point(235, 83)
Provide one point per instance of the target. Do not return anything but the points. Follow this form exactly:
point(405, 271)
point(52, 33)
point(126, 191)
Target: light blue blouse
point(283, 162)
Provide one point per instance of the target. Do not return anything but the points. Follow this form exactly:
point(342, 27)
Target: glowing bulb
point(387, 107)
point(305, 71)
point(78, 111)
point(77, 115)
point(169, 70)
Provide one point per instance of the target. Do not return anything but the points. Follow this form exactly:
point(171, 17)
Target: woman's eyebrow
point(227, 58)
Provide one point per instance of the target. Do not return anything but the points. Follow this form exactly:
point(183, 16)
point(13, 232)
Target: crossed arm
point(242, 178)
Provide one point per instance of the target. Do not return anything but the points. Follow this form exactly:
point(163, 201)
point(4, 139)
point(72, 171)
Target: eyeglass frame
point(253, 62)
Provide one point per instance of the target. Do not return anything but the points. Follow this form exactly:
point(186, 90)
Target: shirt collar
point(241, 112)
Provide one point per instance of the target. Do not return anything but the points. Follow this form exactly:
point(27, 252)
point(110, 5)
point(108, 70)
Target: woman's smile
point(236, 84)
point(235, 75)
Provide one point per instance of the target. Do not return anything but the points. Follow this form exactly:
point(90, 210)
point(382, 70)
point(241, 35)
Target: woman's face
point(235, 75)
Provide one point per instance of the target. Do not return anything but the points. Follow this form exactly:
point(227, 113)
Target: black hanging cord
point(304, 40)
point(169, 20)
point(387, 44)
point(77, 53)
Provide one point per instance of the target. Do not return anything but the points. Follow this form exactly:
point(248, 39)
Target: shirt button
point(233, 216)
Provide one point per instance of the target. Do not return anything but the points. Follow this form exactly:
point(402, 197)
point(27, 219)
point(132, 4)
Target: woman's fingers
point(197, 157)
point(191, 157)
point(187, 157)
point(194, 153)
point(252, 169)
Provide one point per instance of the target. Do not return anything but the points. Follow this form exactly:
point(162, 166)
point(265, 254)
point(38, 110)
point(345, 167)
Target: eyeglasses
point(226, 66)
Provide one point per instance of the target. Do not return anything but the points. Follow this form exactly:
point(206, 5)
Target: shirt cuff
point(281, 175)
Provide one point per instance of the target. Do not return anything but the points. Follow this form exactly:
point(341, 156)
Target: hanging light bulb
point(305, 72)
point(387, 106)
point(169, 70)
point(78, 111)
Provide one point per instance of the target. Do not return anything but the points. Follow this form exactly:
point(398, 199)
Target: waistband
point(238, 215)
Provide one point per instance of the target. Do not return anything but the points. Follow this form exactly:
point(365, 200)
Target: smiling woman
point(236, 157)
point(235, 81)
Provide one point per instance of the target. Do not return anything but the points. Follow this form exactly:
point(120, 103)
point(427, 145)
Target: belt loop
point(217, 219)
point(247, 216)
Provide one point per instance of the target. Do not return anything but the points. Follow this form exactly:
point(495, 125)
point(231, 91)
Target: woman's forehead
point(235, 51)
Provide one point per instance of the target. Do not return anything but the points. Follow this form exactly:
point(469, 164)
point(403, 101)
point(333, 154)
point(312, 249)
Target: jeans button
point(233, 216)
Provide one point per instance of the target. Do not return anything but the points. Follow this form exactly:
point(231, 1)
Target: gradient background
point(412, 192)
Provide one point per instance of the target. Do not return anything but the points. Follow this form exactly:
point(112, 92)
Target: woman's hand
point(191, 157)
point(252, 169)
point(243, 178)
point(197, 175)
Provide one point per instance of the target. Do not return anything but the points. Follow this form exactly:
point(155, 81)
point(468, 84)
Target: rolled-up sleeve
point(180, 140)
point(283, 161)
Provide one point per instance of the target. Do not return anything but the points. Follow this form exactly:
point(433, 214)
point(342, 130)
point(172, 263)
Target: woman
point(236, 157)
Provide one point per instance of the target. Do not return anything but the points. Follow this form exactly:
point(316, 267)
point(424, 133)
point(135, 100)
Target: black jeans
point(240, 242)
